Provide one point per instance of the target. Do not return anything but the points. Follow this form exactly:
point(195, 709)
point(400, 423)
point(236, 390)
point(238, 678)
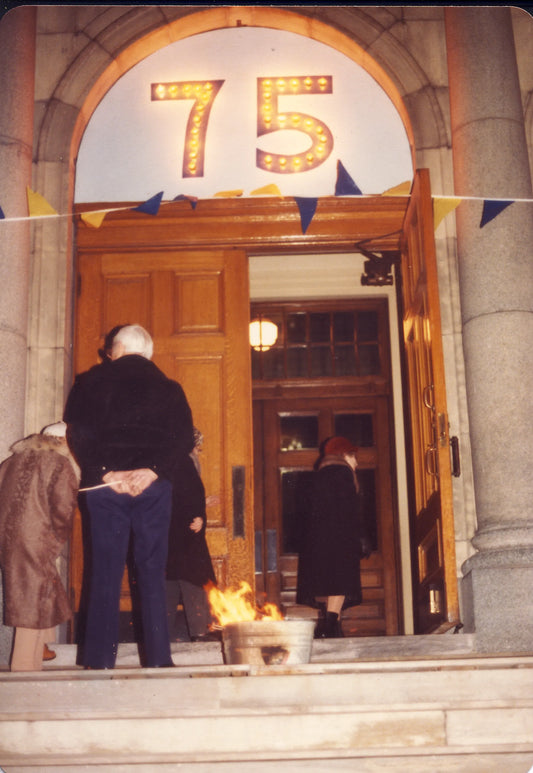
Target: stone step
point(342, 711)
point(338, 650)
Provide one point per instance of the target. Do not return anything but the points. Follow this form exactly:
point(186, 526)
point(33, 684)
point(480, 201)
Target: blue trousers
point(113, 517)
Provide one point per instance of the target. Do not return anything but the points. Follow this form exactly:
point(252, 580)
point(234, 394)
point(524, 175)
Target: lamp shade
point(263, 334)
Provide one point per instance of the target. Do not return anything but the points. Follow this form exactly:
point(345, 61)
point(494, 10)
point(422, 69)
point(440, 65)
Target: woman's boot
point(320, 628)
point(333, 628)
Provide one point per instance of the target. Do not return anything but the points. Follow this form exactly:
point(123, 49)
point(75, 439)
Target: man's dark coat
point(126, 415)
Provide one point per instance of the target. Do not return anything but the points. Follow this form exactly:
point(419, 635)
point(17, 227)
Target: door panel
point(292, 430)
point(434, 579)
point(195, 305)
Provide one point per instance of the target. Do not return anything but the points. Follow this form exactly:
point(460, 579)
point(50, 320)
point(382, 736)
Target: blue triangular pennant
point(193, 201)
point(151, 206)
point(492, 209)
point(307, 207)
point(345, 186)
point(2, 216)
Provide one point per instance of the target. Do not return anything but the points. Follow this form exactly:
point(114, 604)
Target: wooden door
point(195, 305)
point(434, 576)
point(288, 435)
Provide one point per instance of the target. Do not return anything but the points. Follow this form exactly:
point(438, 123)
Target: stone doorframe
point(118, 37)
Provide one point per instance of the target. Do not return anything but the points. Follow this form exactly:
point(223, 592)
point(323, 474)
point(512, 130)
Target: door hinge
point(442, 429)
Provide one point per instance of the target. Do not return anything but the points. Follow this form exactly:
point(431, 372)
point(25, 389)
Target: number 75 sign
point(269, 119)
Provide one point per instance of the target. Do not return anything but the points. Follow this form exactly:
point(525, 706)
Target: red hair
point(339, 446)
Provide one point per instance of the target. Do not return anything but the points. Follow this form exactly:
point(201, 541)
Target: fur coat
point(38, 491)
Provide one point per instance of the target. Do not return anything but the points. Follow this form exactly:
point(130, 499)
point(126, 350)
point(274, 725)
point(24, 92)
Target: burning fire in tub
point(236, 605)
point(258, 636)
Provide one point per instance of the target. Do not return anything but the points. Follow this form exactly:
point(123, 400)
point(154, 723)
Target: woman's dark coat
point(38, 492)
point(332, 543)
point(188, 554)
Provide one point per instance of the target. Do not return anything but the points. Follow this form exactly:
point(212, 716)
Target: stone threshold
point(349, 649)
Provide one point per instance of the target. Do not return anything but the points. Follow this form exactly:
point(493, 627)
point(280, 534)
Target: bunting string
point(443, 204)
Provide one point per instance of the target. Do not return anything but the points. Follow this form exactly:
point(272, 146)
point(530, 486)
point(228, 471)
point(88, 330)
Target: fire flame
point(236, 605)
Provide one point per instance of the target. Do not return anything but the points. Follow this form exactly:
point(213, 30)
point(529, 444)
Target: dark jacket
point(126, 415)
point(332, 544)
point(38, 492)
point(188, 554)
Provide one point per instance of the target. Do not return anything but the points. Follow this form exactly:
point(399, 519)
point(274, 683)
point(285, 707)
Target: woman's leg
point(334, 604)
point(173, 596)
point(333, 628)
point(28, 649)
point(196, 607)
point(49, 635)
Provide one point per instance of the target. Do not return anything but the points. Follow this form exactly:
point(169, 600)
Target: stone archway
point(204, 21)
point(122, 39)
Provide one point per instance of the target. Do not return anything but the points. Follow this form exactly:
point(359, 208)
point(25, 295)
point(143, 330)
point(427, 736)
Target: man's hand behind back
point(132, 482)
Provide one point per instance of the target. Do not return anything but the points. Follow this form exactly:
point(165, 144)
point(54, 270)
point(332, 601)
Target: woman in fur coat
point(38, 491)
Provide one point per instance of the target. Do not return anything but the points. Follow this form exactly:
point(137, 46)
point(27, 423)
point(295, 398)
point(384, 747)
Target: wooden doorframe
point(256, 225)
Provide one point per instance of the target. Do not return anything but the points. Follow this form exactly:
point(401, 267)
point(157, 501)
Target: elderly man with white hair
point(128, 426)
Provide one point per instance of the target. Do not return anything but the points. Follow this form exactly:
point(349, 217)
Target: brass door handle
point(431, 468)
point(427, 397)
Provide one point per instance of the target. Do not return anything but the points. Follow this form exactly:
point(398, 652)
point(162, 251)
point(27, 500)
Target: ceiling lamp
point(263, 334)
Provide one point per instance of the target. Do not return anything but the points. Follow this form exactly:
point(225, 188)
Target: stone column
point(17, 74)
point(496, 279)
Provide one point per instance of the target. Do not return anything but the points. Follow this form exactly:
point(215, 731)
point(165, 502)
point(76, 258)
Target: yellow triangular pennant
point(442, 207)
point(228, 194)
point(37, 204)
point(93, 219)
point(267, 190)
point(403, 189)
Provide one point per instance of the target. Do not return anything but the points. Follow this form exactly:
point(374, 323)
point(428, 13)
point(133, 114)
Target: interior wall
point(332, 277)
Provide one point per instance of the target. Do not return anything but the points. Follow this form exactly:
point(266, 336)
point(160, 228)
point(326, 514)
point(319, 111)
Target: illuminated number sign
point(269, 119)
point(203, 93)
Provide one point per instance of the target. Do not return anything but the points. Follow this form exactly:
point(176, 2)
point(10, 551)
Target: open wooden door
point(195, 305)
point(434, 576)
